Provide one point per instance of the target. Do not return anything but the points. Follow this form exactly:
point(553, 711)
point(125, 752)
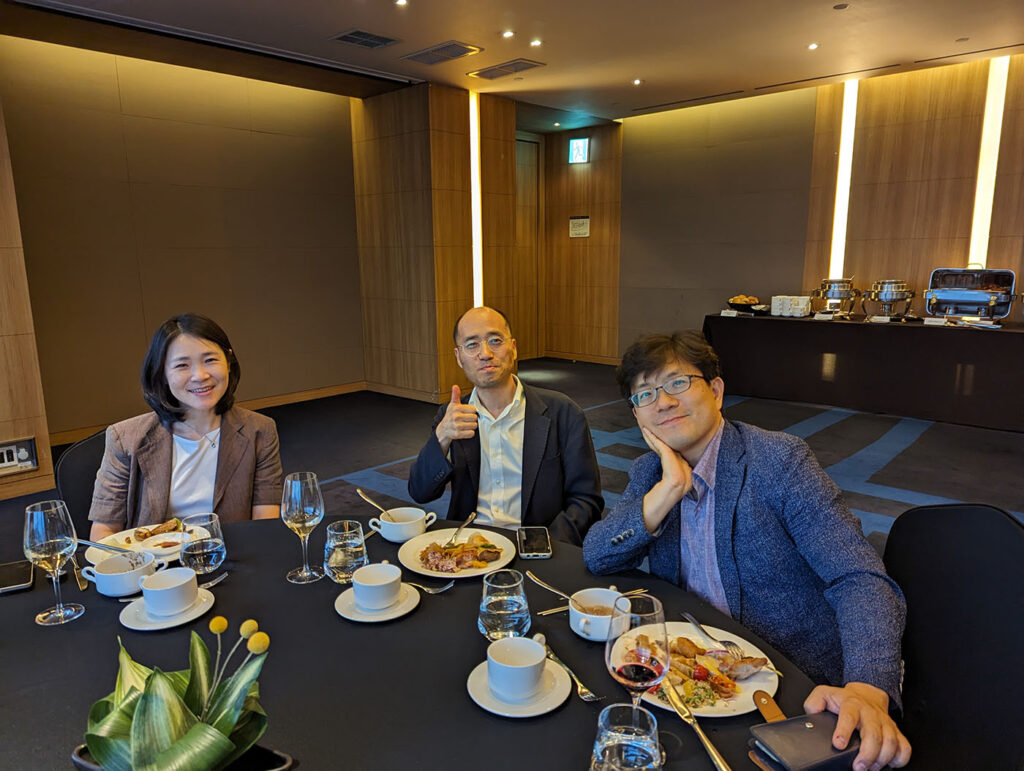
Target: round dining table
point(348, 695)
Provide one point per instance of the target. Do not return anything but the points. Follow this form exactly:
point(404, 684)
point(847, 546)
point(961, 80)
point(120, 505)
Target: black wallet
point(802, 744)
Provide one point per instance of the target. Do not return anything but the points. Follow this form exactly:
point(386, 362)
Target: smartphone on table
point(534, 542)
point(15, 576)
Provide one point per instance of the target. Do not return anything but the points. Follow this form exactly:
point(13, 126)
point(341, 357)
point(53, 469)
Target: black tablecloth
point(954, 374)
point(340, 694)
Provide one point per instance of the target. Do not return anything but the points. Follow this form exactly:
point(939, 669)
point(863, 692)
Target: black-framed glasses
point(677, 385)
point(494, 342)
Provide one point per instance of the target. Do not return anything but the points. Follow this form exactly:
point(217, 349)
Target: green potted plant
point(191, 719)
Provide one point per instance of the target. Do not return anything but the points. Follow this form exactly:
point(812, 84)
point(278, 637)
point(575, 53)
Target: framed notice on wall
point(579, 227)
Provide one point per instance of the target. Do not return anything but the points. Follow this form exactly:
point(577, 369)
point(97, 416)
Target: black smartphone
point(534, 543)
point(15, 576)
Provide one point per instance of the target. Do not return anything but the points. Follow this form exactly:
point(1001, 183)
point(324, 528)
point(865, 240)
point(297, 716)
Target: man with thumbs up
point(515, 454)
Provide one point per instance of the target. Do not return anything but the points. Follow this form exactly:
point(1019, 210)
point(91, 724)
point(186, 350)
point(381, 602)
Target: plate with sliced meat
point(476, 552)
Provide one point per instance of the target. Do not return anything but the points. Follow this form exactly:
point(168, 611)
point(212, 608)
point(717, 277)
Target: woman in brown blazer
point(195, 452)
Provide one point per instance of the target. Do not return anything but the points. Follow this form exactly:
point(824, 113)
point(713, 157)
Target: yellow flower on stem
point(249, 628)
point(258, 643)
point(218, 624)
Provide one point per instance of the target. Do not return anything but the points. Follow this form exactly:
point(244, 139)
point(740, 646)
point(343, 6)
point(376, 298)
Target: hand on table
point(865, 708)
point(676, 481)
point(459, 421)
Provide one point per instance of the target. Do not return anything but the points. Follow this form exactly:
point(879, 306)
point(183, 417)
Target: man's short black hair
point(155, 390)
point(455, 329)
point(653, 352)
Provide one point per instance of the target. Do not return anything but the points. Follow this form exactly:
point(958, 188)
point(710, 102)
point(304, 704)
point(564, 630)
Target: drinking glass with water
point(204, 552)
point(627, 738)
point(503, 608)
point(344, 550)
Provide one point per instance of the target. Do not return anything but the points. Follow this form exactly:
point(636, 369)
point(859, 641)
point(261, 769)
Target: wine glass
point(50, 541)
point(636, 652)
point(302, 508)
point(203, 553)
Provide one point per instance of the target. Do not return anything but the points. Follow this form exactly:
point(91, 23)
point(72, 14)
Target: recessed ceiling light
point(962, 39)
point(401, 2)
point(507, 33)
point(535, 42)
point(812, 47)
point(637, 81)
point(558, 124)
point(840, 7)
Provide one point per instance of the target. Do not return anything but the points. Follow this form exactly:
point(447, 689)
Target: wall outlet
point(8, 456)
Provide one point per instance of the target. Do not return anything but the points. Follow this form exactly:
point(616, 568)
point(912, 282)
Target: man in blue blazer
point(515, 454)
point(747, 519)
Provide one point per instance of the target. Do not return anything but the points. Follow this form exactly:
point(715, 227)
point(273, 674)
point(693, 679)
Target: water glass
point(627, 738)
point(203, 553)
point(503, 608)
point(344, 550)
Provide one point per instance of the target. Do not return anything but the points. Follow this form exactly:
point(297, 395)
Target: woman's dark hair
point(155, 390)
point(653, 352)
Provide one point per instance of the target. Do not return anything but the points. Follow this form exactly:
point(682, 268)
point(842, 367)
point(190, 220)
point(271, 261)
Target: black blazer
point(561, 482)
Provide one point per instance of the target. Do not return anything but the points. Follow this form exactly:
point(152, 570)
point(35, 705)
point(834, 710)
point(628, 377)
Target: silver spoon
point(550, 588)
point(458, 530)
point(383, 512)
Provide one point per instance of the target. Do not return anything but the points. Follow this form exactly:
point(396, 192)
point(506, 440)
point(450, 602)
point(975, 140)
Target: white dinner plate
point(134, 615)
point(555, 686)
point(409, 552)
point(742, 702)
point(346, 607)
point(94, 555)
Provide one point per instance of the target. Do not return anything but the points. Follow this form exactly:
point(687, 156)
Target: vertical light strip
point(839, 214)
point(988, 159)
point(474, 199)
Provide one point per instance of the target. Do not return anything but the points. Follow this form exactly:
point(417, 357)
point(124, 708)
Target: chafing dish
point(839, 296)
point(982, 292)
point(889, 293)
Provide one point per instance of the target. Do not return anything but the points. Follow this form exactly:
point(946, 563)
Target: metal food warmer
point(839, 296)
point(888, 294)
point(982, 293)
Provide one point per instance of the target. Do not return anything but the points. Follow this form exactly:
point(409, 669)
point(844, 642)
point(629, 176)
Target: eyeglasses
point(676, 385)
point(494, 342)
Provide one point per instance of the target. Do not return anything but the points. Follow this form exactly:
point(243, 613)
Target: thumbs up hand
point(459, 421)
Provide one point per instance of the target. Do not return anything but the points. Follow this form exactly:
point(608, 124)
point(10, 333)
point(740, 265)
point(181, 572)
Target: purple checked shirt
point(698, 560)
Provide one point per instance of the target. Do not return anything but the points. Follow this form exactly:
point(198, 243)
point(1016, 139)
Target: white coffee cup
point(592, 626)
point(115, 576)
point(515, 667)
point(406, 522)
point(377, 586)
point(169, 592)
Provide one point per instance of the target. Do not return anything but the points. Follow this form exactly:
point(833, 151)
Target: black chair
point(961, 568)
point(75, 473)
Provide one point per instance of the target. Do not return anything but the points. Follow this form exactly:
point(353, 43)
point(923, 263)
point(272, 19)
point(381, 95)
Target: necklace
point(210, 436)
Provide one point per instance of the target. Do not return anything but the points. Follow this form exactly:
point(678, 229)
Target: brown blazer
point(133, 485)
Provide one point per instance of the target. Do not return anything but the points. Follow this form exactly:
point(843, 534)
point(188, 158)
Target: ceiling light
point(558, 124)
point(535, 42)
point(841, 7)
point(962, 39)
point(507, 33)
point(812, 47)
point(637, 81)
point(401, 2)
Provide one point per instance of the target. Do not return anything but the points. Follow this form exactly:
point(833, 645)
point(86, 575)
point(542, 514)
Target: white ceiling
point(684, 51)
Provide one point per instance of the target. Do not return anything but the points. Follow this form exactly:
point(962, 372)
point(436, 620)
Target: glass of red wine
point(636, 652)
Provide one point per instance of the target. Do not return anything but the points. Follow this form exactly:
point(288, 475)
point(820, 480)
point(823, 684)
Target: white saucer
point(134, 615)
point(555, 686)
point(408, 599)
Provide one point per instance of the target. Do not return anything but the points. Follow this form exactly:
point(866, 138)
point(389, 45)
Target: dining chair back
point(961, 568)
point(75, 473)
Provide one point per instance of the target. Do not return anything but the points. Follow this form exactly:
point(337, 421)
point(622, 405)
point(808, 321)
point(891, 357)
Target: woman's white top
point(193, 474)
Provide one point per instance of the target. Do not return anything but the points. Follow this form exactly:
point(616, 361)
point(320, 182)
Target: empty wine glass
point(49, 542)
point(205, 550)
point(636, 652)
point(302, 508)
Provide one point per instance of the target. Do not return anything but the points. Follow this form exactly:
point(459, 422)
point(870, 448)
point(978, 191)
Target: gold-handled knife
point(687, 716)
point(79, 578)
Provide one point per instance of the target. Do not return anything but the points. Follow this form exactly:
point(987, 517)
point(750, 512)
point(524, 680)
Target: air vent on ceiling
point(506, 68)
point(364, 39)
point(443, 52)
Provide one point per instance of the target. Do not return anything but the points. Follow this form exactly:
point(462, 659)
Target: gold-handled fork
point(563, 608)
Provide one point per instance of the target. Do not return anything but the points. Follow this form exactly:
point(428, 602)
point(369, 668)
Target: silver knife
point(684, 712)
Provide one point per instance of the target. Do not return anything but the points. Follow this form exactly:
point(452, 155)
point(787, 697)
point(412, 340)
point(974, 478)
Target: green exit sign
point(579, 150)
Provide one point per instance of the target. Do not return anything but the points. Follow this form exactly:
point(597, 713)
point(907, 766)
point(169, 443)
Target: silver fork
point(432, 589)
point(731, 648)
point(584, 693)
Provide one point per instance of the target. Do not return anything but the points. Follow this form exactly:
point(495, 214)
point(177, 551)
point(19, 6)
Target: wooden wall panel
point(22, 411)
point(824, 164)
point(1006, 237)
point(581, 275)
point(914, 173)
point(526, 306)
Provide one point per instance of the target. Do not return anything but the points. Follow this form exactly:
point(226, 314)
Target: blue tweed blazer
point(795, 566)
